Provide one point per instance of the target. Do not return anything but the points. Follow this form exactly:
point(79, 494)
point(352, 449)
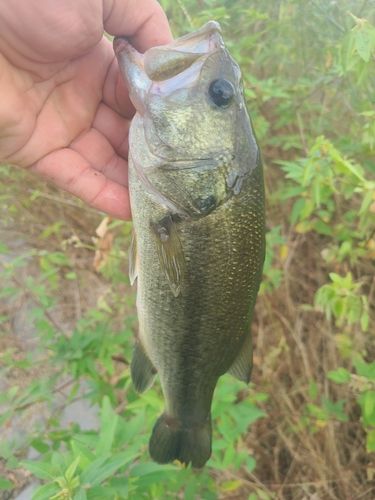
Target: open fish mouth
point(162, 70)
point(164, 62)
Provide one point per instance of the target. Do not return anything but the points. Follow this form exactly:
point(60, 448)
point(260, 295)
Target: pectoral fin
point(242, 366)
point(170, 252)
point(142, 370)
point(133, 259)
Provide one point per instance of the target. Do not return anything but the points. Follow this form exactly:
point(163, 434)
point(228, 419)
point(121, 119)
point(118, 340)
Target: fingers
point(114, 127)
point(105, 145)
point(69, 170)
point(143, 21)
point(145, 24)
point(115, 87)
point(96, 150)
point(48, 31)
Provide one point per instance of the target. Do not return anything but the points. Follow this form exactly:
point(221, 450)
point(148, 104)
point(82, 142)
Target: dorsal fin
point(243, 364)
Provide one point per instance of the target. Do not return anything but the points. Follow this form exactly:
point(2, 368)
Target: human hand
point(64, 111)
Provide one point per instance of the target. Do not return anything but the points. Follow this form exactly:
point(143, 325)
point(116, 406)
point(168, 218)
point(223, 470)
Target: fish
point(197, 251)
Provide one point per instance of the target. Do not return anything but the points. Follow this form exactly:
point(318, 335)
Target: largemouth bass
point(197, 199)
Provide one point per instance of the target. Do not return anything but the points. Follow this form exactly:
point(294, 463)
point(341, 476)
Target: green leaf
point(98, 471)
point(108, 423)
point(369, 406)
point(5, 484)
point(322, 228)
point(317, 412)
point(39, 445)
point(298, 206)
point(338, 307)
point(3, 248)
point(239, 460)
point(362, 41)
point(365, 319)
point(70, 276)
point(366, 370)
point(73, 393)
point(46, 491)
point(347, 57)
point(127, 429)
point(140, 470)
point(367, 200)
point(226, 428)
point(153, 478)
point(72, 468)
point(121, 485)
point(191, 489)
point(313, 389)
point(113, 464)
point(336, 278)
point(40, 469)
point(151, 398)
point(102, 493)
point(250, 464)
point(230, 485)
point(370, 441)
point(335, 408)
point(80, 450)
point(90, 473)
point(228, 456)
point(57, 459)
point(61, 481)
point(5, 416)
point(80, 495)
point(249, 412)
point(340, 376)
point(354, 309)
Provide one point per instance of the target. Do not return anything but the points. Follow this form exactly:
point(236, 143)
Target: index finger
point(143, 22)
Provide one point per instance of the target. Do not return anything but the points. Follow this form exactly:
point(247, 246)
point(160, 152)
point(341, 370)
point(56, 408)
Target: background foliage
point(305, 427)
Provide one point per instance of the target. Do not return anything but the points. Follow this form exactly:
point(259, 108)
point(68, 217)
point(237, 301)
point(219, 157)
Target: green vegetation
point(305, 427)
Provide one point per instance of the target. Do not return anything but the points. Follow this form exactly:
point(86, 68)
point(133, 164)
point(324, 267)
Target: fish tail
point(171, 440)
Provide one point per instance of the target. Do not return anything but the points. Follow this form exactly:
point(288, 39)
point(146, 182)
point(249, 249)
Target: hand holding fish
point(64, 114)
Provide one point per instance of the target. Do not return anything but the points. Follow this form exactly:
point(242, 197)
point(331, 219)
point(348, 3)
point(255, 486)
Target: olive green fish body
point(197, 198)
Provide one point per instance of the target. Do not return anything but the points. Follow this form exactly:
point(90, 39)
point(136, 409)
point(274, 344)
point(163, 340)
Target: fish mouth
point(161, 70)
point(164, 62)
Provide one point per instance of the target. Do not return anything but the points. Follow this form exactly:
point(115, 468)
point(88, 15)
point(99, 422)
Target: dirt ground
point(21, 229)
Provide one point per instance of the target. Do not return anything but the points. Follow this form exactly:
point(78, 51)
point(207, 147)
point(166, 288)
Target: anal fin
point(243, 364)
point(142, 370)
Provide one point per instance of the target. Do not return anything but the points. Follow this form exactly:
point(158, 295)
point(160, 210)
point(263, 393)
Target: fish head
point(190, 100)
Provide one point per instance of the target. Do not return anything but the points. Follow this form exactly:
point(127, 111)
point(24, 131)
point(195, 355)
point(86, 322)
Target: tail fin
point(171, 440)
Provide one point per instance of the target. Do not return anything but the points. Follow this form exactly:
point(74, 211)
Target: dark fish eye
point(221, 92)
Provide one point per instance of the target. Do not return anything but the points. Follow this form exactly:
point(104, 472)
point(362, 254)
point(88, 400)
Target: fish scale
point(198, 243)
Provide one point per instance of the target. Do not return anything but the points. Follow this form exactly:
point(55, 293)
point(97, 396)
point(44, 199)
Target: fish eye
point(221, 92)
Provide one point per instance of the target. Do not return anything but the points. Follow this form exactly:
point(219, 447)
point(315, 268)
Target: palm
point(62, 119)
point(57, 109)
